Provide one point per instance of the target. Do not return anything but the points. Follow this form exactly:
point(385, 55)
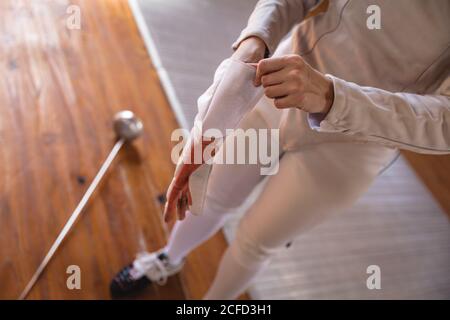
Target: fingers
point(283, 79)
point(268, 66)
point(169, 211)
point(184, 202)
point(172, 195)
point(179, 206)
point(274, 78)
point(189, 196)
point(285, 102)
point(171, 202)
point(183, 205)
point(278, 91)
point(178, 202)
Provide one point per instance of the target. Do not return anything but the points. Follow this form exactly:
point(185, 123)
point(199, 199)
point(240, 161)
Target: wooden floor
point(434, 171)
point(59, 89)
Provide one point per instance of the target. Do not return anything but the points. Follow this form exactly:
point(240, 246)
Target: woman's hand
point(250, 50)
point(293, 83)
point(178, 194)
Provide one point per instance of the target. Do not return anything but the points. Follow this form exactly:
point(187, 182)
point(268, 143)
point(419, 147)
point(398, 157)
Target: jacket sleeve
point(418, 123)
point(271, 20)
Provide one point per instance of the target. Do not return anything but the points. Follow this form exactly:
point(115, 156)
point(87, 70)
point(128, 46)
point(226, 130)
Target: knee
point(216, 207)
point(221, 203)
point(249, 249)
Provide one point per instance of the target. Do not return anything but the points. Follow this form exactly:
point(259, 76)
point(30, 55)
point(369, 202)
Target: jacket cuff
point(335, 119)
point(261, 33)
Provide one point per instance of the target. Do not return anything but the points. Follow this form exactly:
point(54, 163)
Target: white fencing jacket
point(391, 85)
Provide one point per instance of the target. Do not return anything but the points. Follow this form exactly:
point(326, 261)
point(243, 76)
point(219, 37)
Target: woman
point(346, 96)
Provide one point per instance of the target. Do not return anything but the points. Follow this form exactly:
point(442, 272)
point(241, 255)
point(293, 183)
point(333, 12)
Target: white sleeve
point(271, 20)
point(420, 123)
point(231, 96)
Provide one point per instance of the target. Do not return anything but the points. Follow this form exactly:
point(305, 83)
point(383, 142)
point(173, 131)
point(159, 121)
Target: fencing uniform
point(391, 88)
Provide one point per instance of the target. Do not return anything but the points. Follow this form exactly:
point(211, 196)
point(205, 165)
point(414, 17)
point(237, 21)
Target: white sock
point(187, 234)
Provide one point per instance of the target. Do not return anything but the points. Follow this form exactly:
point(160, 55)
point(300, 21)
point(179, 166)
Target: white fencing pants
point(313, 182)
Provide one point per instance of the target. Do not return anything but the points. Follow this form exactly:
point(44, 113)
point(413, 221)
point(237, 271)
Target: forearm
point(271, 20)
point(419, 123)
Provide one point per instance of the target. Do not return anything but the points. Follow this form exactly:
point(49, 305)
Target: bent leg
point(228, 187)
point(311, 184)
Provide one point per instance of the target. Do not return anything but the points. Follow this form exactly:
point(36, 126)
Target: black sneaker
point(147, 268)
